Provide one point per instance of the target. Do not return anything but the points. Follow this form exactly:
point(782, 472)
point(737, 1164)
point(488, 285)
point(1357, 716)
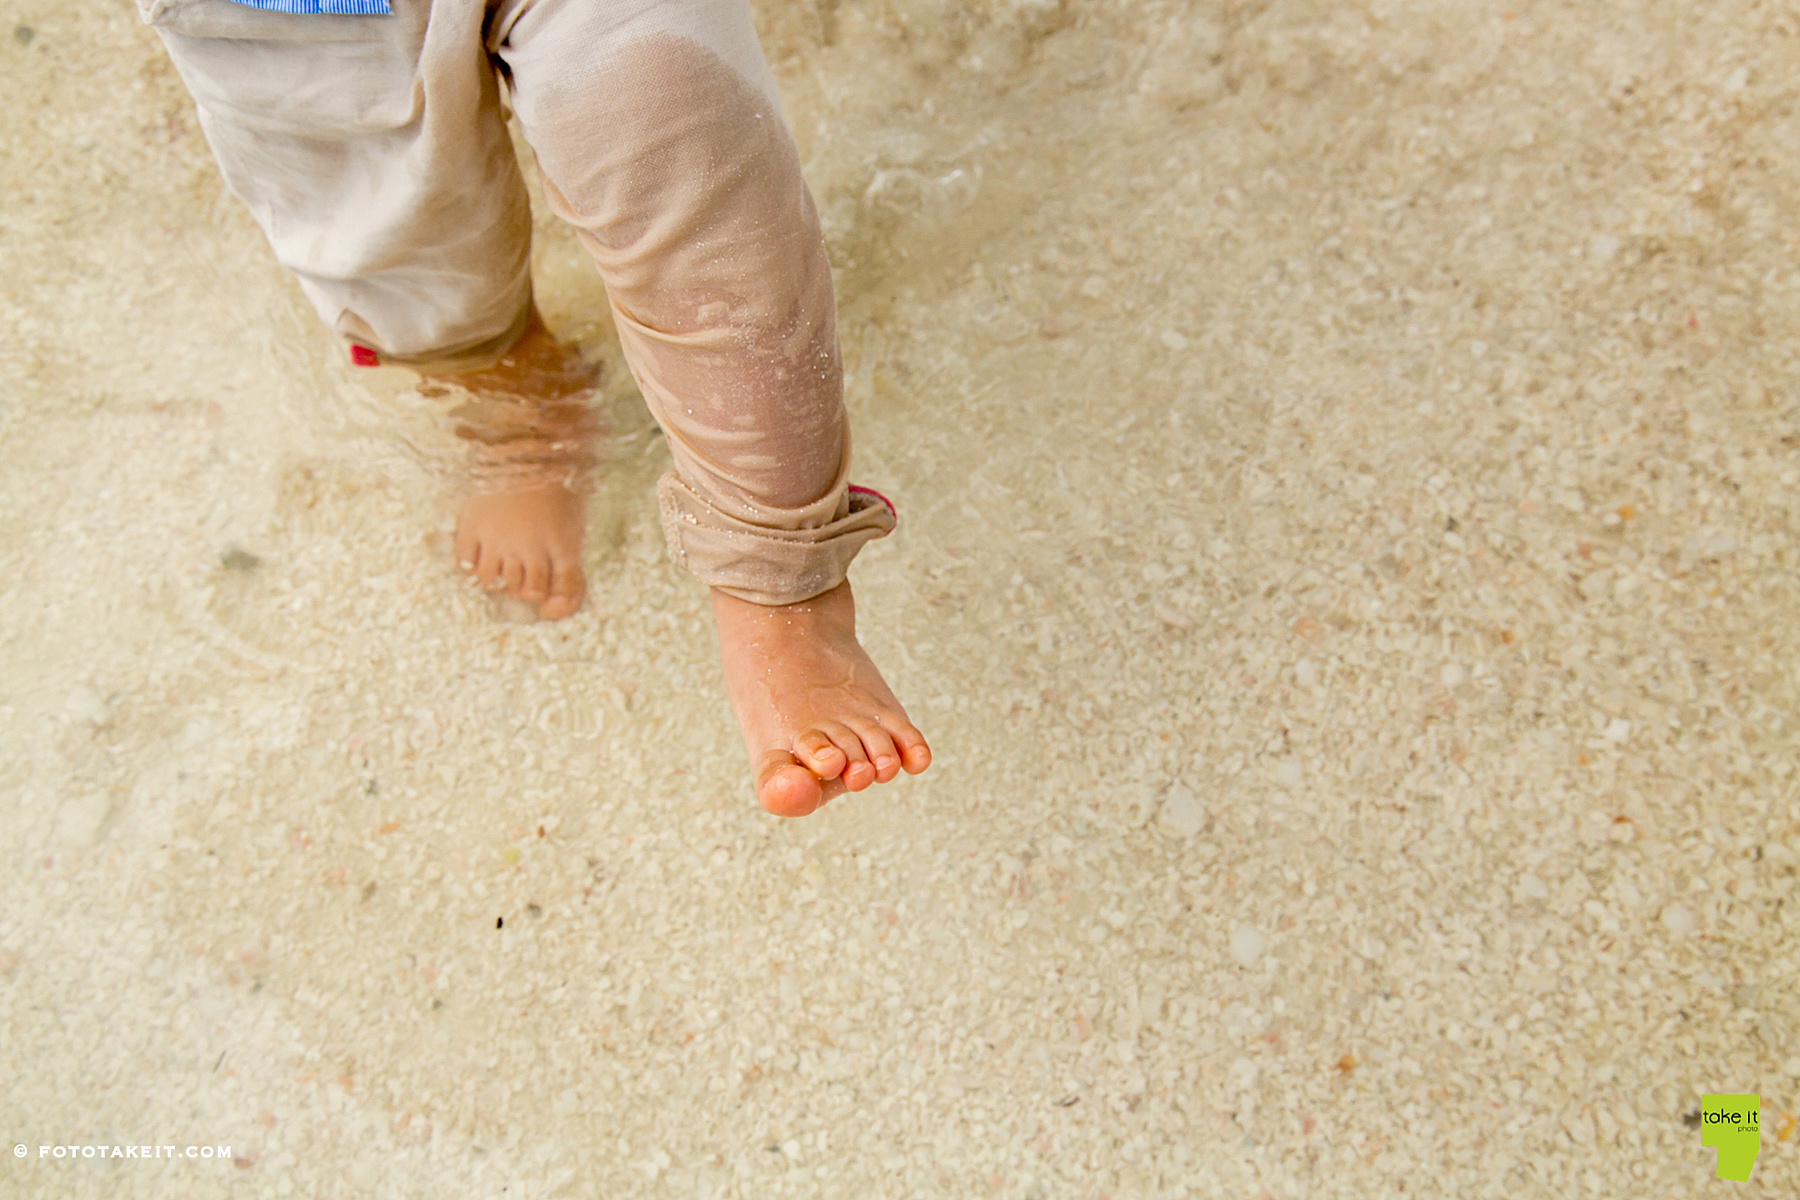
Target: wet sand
point(1349, 471)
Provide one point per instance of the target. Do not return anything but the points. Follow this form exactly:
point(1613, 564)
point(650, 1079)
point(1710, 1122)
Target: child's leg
point(660, 137)
point(373, 153)
point(531, 424)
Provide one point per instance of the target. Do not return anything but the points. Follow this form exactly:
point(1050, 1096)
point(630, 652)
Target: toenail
point(467, 566)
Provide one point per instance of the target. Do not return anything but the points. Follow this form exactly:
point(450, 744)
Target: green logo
point(1734, 1125)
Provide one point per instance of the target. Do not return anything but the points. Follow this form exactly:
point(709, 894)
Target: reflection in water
point(523, 441)
point(530, 419)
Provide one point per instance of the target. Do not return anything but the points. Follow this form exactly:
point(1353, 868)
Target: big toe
point(566, 589)
point(786, 788)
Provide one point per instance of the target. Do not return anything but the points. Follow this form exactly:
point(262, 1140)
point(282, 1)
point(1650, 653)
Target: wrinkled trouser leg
point(373, 153)
point(659, 134)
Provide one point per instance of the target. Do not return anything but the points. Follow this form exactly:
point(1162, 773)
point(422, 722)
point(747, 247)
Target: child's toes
point(859, 772)
point(915, 755)
point(820, 755)
point(468, 553)
point(566, 588)
point(537, 580)
point(785, 787)
point(880, 748)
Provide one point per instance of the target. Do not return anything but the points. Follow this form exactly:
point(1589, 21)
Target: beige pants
point(374, 154)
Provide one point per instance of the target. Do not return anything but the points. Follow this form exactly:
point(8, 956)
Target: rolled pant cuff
point(764, 565)
point(453, 360)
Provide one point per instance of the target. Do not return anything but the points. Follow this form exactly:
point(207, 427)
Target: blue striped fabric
point(343, 8)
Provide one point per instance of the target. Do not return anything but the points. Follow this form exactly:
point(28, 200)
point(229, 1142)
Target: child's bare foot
point(529, 417)
point(527, 543)
point(817, 718)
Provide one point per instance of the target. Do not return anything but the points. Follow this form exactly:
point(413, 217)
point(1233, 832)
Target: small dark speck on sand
point(236, 559)
point(1691, 1120)
point(23, 34)
point(499, 922)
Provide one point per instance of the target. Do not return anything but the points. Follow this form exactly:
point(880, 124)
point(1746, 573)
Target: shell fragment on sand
point(1181, 811)
point(1247, 945)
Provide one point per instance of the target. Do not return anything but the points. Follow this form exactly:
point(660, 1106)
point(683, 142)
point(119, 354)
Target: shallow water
point(1348, 472)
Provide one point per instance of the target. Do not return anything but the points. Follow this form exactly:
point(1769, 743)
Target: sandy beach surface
point(1348, 458)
